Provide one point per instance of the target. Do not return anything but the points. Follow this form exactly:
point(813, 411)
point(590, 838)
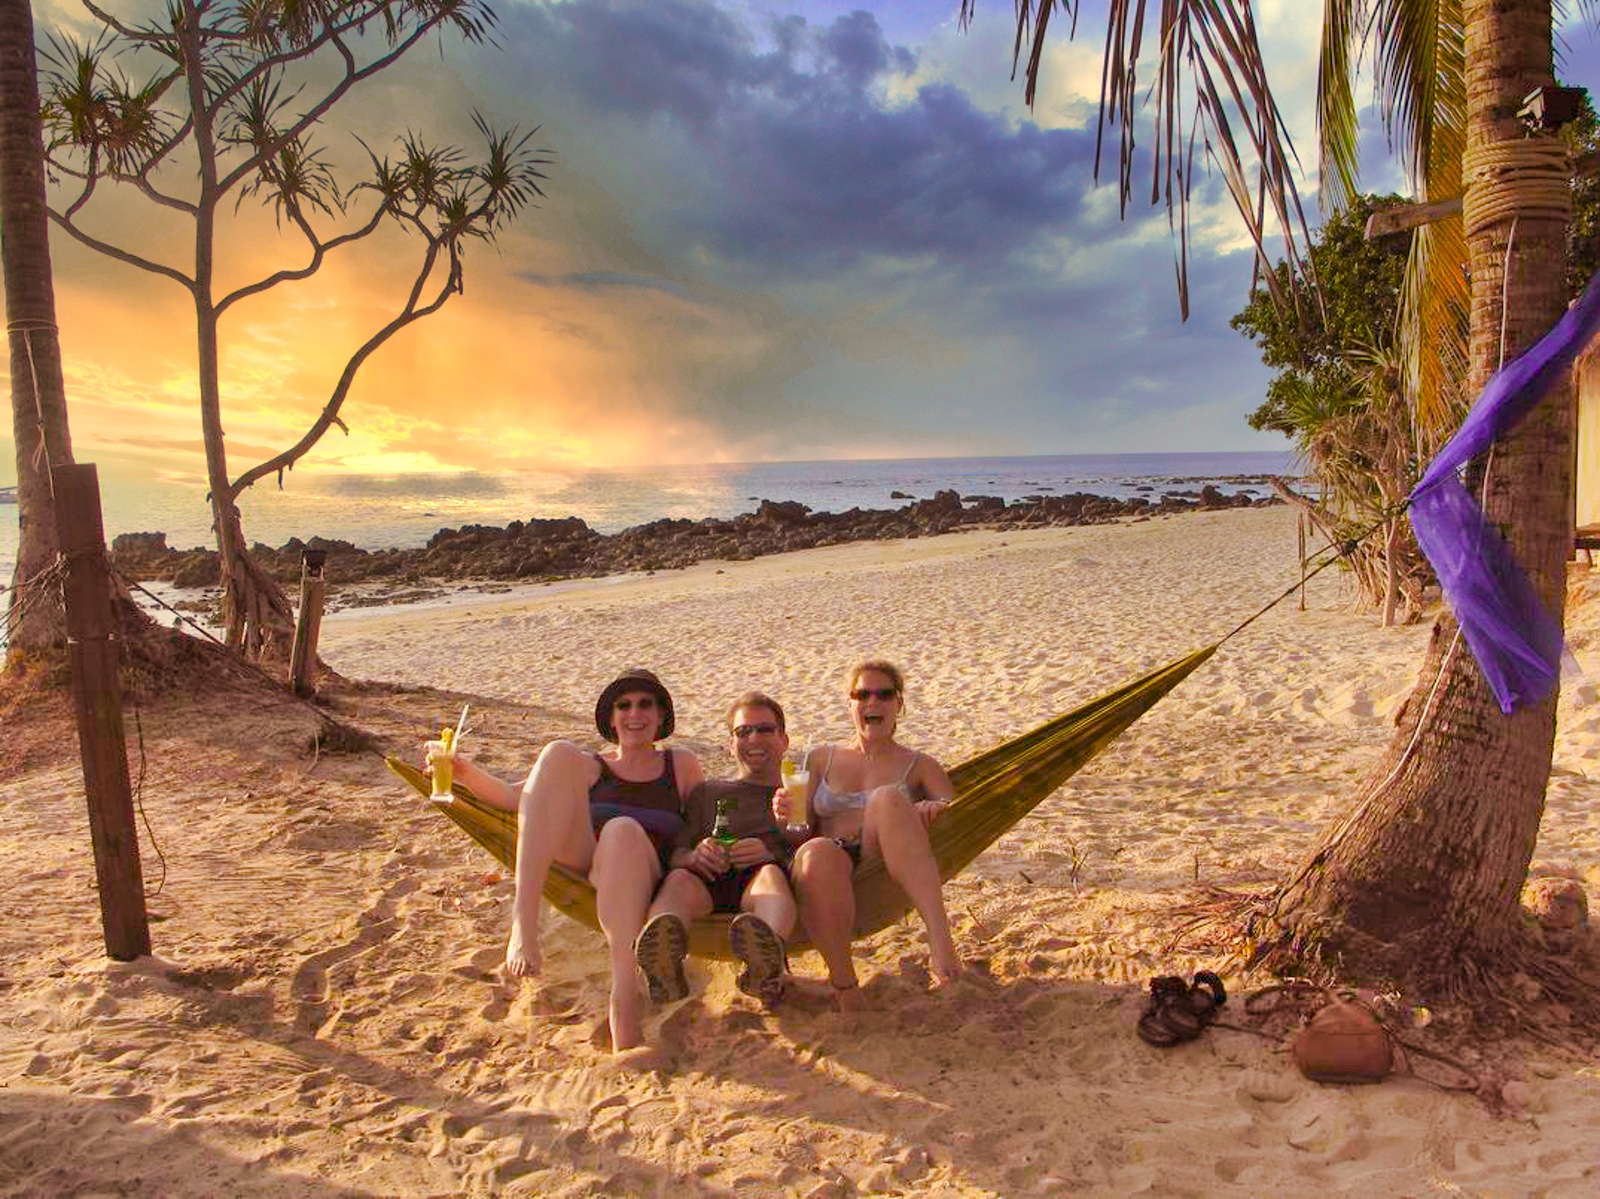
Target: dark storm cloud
point(802, 161)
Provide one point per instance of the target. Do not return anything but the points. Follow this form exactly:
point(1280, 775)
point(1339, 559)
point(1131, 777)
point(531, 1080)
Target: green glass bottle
point(722, 827)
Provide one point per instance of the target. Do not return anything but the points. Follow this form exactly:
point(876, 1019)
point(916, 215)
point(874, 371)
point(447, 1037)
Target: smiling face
point(636, 716)
point(758, 743)
point(875, 704)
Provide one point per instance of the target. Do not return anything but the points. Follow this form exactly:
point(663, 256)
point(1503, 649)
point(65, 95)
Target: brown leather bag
point(1344, 1042)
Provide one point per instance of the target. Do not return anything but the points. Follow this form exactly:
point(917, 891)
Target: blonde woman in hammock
point(870, 797)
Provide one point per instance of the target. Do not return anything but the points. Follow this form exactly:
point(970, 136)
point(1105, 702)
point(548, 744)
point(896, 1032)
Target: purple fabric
point(1515, 640)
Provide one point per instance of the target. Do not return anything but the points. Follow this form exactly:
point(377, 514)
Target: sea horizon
point(401, 511)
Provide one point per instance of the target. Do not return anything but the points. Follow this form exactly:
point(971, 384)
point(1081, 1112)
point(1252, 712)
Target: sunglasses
point(645, 703)
point(750, 730)
point(862, 694)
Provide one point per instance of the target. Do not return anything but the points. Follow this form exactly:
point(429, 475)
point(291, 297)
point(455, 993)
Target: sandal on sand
point(659, 951)
point(761, 950)
point(1206, 996)
point(1168, 1017)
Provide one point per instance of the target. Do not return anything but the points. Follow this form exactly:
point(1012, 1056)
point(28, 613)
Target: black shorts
point(728, 889)
point(852, 847)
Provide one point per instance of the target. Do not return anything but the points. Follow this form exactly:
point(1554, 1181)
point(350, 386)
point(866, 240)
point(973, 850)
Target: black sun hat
point(635, 678)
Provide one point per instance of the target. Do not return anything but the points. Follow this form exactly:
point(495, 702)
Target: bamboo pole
point(308, 622)
point(94, 654)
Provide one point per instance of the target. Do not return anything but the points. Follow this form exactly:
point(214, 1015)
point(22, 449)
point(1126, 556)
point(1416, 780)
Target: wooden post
point(313, 589)
point(1300, 524)
point(97, 702)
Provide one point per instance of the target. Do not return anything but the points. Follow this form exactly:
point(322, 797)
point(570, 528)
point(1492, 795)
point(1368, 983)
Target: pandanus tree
point(1420, 883)
point(224, 120)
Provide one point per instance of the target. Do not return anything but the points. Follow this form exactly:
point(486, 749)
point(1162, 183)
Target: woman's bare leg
point(822, 874)
point(894, 830)
point(552, 826)
point(626, 868)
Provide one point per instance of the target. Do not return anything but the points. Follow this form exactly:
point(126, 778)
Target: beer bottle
point(722, 827)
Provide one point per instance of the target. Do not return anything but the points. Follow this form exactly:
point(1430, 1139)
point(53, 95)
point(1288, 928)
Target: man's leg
point(683, 894)
point(624, 874)
point(552, 825)
point(659, 951)
point(769, 897)
point(823, 876)
point(756, 935)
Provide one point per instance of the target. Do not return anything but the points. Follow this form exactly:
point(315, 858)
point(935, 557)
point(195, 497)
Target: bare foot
point(944, 970)
point(522, 949)
point(627, 1028)
point(847, 997)
point(638, 1060)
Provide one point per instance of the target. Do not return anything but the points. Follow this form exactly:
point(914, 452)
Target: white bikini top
point(828, 802)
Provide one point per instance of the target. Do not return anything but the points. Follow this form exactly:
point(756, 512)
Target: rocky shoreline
point(536, 551)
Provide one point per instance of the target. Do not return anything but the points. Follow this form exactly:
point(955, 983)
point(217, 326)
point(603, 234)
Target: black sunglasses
point(750, 730)
point(645, 703)
point(862, 694)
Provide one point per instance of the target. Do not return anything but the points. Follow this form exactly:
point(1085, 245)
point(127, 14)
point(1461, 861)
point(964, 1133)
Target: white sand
point(324, 1017)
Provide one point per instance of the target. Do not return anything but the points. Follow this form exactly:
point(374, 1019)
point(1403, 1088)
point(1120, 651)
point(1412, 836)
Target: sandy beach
point(324, 1015)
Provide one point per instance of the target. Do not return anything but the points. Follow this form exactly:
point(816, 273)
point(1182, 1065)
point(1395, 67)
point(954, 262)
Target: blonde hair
point(877, 666)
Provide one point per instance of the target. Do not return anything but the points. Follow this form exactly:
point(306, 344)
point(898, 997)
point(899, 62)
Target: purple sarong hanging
point(1515, 640)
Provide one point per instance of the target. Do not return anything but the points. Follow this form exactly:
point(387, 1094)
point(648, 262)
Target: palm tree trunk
point(38, 395)
point(1421, 884)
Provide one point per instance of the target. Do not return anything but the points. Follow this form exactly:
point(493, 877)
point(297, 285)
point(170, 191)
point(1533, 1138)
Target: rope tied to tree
point(1528, 177)
point(28, 326)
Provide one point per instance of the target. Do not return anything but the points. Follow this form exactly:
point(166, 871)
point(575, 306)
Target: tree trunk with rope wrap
point(1421, 884)
point(35, 619)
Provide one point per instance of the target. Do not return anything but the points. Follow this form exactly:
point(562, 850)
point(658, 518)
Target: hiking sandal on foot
point(761, 951)
point(660, 951)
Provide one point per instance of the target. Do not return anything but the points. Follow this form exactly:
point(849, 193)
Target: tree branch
point(319, 250)
point(121, 255)
point(353, 75)
point(330, 412)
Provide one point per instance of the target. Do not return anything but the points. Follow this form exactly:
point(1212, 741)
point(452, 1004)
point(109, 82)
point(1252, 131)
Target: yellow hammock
point(992, 793)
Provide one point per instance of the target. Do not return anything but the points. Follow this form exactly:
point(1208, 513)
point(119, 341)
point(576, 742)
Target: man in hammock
point(749, 877)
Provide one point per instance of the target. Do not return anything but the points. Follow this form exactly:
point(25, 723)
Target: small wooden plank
point(1387, 221)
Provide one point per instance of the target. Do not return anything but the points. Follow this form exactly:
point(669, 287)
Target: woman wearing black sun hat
point(606, 815)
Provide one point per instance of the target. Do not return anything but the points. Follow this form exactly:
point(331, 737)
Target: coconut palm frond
point(1435, 299)
point(1337, 123)
point(1434, 305)
point(1209, 63)
point(1417, 50)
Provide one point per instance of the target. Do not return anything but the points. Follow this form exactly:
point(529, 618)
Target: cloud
point(801, 231)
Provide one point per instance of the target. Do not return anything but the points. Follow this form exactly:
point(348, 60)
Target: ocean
point(403, 511)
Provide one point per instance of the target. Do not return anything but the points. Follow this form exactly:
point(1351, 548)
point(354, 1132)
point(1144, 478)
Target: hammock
point(992, 793)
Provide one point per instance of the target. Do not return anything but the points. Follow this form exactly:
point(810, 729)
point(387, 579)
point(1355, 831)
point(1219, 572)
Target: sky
point(770, 230)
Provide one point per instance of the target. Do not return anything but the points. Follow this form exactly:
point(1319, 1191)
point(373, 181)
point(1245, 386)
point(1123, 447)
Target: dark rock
point(139, 545)
point(782, 512)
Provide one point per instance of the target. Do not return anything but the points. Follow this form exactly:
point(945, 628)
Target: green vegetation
point(1339, 395)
